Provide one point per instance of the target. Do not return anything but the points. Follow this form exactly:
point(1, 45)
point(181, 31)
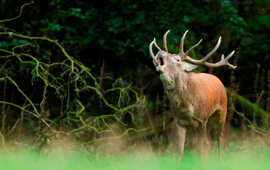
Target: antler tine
point(223, 61)
point(151, 51)
point(202, 61)
point(186, 53)
point(182, 42)
point(165, 41)
point(227, 59)
point(182, 46)
point(213, 51)
point(157, 45)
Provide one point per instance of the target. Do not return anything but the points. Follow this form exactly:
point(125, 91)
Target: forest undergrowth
point(66, 83)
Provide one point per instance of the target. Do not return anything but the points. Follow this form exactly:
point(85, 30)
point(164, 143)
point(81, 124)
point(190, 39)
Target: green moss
point(249, 107)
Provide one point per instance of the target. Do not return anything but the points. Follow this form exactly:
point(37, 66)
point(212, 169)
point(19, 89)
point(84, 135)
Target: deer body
point(195, 97)
point(199, 97)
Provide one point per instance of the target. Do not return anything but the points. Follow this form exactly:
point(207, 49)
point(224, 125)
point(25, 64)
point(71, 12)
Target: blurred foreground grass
point(234, 158)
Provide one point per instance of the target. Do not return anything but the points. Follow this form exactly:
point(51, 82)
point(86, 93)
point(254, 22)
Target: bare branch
point(5, 20)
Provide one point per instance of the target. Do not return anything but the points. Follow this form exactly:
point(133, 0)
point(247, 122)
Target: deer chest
point(185, 117)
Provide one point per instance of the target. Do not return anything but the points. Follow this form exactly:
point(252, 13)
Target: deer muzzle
point(161, 62)
point(161, 56)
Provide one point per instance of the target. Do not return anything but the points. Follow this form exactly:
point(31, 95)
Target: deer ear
point(188, 67)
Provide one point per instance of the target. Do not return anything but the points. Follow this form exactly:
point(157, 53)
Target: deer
point(194, 96)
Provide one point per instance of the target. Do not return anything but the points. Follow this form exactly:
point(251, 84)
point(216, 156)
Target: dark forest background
point(115, 90)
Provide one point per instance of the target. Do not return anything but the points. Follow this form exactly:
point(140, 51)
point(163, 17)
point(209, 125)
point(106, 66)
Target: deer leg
point(201, 139)
point(221, 118)
point(219, 136)
point(181, 132)
point(207, 145)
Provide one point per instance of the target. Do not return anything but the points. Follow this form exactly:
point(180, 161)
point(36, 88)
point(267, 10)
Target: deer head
point(171, 65)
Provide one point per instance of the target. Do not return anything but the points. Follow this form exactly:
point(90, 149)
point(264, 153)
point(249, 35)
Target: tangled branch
point(73, 77)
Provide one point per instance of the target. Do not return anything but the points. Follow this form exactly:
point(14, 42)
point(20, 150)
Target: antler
point(154, 42)
point(182, 45)
point(184, 55)
point(223, 61)
point(151, 50)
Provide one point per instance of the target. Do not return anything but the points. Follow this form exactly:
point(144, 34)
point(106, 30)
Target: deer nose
point(161, 54)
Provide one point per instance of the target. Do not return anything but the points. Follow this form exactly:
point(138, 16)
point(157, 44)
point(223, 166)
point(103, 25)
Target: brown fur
point(203, 95)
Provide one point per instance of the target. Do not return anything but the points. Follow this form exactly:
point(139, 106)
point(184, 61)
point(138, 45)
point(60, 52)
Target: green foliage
point(121, 30)
point(126, 30)
point(14, 42)
point(126, 27)
point(237, 24)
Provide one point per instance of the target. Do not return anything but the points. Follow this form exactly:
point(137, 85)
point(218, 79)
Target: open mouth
point(161, 65)
point(161, 62)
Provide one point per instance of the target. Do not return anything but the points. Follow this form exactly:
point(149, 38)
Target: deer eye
point(177, 59)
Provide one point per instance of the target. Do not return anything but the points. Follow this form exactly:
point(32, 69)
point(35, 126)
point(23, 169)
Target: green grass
point(237, 159)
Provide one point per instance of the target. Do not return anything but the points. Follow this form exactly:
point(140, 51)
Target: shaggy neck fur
point(178, 88)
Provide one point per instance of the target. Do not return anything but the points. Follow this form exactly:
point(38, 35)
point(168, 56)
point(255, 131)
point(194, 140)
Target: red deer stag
point(195, 97)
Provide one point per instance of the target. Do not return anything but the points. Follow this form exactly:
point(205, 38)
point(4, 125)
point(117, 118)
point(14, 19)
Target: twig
point(5, 20)
point(254, 128)
point(4, 108)
point(21, 122)
point(3, 141)
point(14, 126)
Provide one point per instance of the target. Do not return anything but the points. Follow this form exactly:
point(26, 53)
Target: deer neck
point(178, 88)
